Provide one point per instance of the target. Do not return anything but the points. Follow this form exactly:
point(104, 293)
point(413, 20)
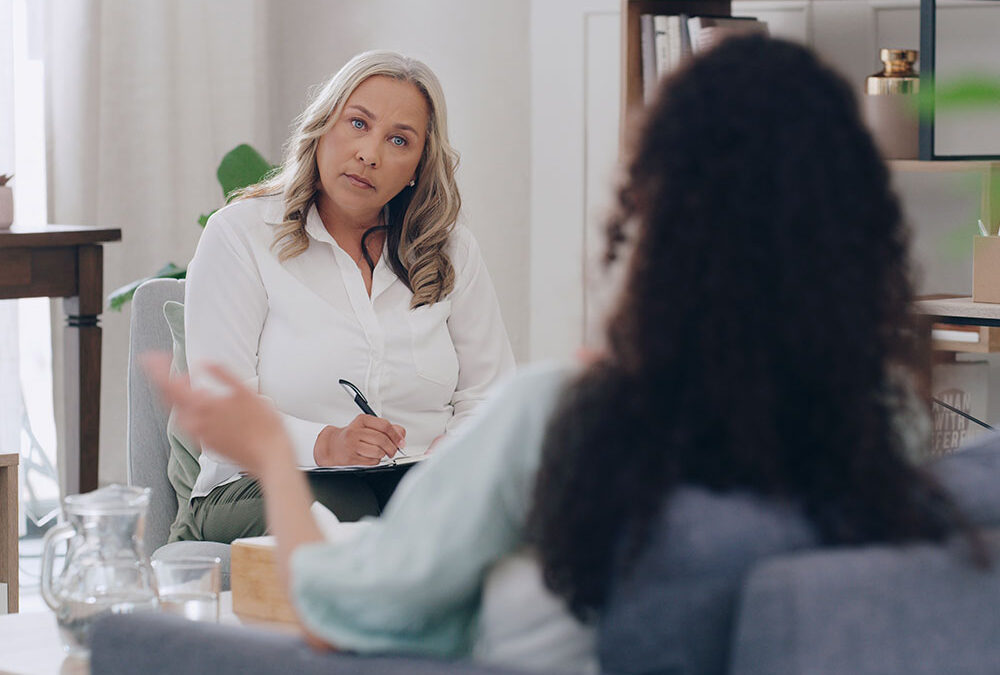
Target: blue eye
point(357, 124)
point(398, 141)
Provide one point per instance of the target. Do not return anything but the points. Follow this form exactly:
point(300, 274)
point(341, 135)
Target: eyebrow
point(368, 113)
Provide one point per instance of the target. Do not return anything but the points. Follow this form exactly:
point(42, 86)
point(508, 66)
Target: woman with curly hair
point(346, 264)
point(754, 397)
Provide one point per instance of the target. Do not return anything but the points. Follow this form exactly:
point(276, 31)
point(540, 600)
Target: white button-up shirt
point(291, 329)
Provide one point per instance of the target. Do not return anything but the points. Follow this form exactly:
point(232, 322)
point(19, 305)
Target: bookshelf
point(631, 94)
point(989, 173)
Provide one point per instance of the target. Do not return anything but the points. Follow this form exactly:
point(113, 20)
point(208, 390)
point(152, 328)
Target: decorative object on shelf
point(242, 167)
point(986, 269)
point(890, 104)
point(6, 202)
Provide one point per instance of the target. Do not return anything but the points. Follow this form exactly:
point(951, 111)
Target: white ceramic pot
point(6, 207)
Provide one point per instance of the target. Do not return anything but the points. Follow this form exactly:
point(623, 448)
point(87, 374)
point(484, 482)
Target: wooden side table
point(8, 528)
point(67, 261)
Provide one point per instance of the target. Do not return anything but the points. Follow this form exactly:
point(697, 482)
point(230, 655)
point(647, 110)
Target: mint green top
point(411, 581)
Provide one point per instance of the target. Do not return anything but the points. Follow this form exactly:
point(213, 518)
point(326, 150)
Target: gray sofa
point(802, 609)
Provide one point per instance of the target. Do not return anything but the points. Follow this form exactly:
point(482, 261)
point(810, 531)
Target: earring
point(413, 182)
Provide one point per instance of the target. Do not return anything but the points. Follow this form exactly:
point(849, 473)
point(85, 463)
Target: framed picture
point(959, 50)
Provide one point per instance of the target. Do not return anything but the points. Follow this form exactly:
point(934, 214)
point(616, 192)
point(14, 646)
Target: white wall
point(574, 122)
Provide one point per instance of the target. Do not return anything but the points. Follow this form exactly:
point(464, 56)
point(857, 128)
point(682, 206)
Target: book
point(661, 41)
point(685, 33)
point(674, 42)
point(647, 46)
point(948, 333)
point(386, 464)
point(707, 31)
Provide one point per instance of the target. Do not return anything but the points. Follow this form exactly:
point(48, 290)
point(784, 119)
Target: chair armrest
point(164, 644)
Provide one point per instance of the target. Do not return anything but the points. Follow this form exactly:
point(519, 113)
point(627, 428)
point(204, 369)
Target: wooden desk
point(67, 261)
point(8, 528)
point(960, 311)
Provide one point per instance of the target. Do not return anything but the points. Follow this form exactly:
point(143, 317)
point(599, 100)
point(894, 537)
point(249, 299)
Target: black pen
point(362, 403)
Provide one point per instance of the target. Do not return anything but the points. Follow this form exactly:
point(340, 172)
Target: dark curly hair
point(762, 340)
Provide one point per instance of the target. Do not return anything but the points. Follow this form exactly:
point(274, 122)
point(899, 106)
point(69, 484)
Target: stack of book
point(667, 40)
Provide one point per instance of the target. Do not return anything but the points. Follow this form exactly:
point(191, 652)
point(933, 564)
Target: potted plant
point(6, 202)
point(240, 168)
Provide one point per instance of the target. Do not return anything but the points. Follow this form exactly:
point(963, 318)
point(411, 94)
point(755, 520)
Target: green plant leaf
point(118, 297)
point(203, 218)
point(963, 93)
point(241, 167)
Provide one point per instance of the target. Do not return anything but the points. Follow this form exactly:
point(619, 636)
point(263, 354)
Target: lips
point(358, 181)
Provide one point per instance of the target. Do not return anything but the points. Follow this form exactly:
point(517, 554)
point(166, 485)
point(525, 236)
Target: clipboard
point(385, 465)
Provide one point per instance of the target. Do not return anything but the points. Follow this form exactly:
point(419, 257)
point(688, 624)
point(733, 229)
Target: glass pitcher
point(107, 570)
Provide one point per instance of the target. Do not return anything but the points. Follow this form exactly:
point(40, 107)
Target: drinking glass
point(189, 587)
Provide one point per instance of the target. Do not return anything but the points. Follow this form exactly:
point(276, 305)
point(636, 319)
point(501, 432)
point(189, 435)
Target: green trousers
point(236, 509)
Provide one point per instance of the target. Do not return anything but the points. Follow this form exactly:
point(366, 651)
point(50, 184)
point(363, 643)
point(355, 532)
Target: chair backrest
point(148, 448)
point(879, 609)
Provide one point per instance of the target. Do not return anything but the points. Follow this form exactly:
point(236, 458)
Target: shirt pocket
point(434, 355)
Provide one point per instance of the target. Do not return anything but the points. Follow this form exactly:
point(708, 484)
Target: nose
point(368, 156)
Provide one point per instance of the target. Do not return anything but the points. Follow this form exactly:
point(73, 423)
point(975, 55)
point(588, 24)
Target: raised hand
point(239, 424)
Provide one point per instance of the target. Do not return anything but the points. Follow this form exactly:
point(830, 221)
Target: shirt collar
point(317, 230)
point(315, 227)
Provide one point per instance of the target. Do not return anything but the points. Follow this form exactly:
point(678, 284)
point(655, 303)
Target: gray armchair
point(148, 447)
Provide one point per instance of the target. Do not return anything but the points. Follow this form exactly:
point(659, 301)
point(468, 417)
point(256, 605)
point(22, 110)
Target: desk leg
point(82, 360)
point(8, 533)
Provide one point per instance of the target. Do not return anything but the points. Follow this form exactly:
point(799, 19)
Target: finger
point(157, 366)
point(395, 433)
point(381, 441)
point(368, 454)
point(224, 376)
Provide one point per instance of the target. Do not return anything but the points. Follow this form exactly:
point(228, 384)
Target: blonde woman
point(346, 264)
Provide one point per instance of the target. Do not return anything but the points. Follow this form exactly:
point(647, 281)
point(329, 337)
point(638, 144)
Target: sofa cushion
point(972, 476)
point(910, 609)
point(673, 612)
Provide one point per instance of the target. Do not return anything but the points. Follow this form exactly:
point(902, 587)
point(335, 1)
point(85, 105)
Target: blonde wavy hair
point(419, 220)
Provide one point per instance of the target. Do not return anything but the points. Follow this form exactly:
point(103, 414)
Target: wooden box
point(257, 590)
point(986, 269)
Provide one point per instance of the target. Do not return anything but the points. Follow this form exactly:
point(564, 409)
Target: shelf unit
point(989, 171)
point(977, 324)
point(631, 93)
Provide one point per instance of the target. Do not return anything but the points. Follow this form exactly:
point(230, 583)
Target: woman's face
point(371, 153)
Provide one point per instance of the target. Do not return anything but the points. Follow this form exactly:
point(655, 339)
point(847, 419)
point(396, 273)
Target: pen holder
point(986, 269)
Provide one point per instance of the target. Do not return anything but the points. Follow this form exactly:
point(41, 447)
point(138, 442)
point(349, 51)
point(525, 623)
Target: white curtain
point(10, 386)
point(144, 97)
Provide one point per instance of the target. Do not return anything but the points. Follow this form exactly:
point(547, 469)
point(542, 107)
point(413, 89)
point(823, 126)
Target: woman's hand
point(239, 425)
point(366, 440)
